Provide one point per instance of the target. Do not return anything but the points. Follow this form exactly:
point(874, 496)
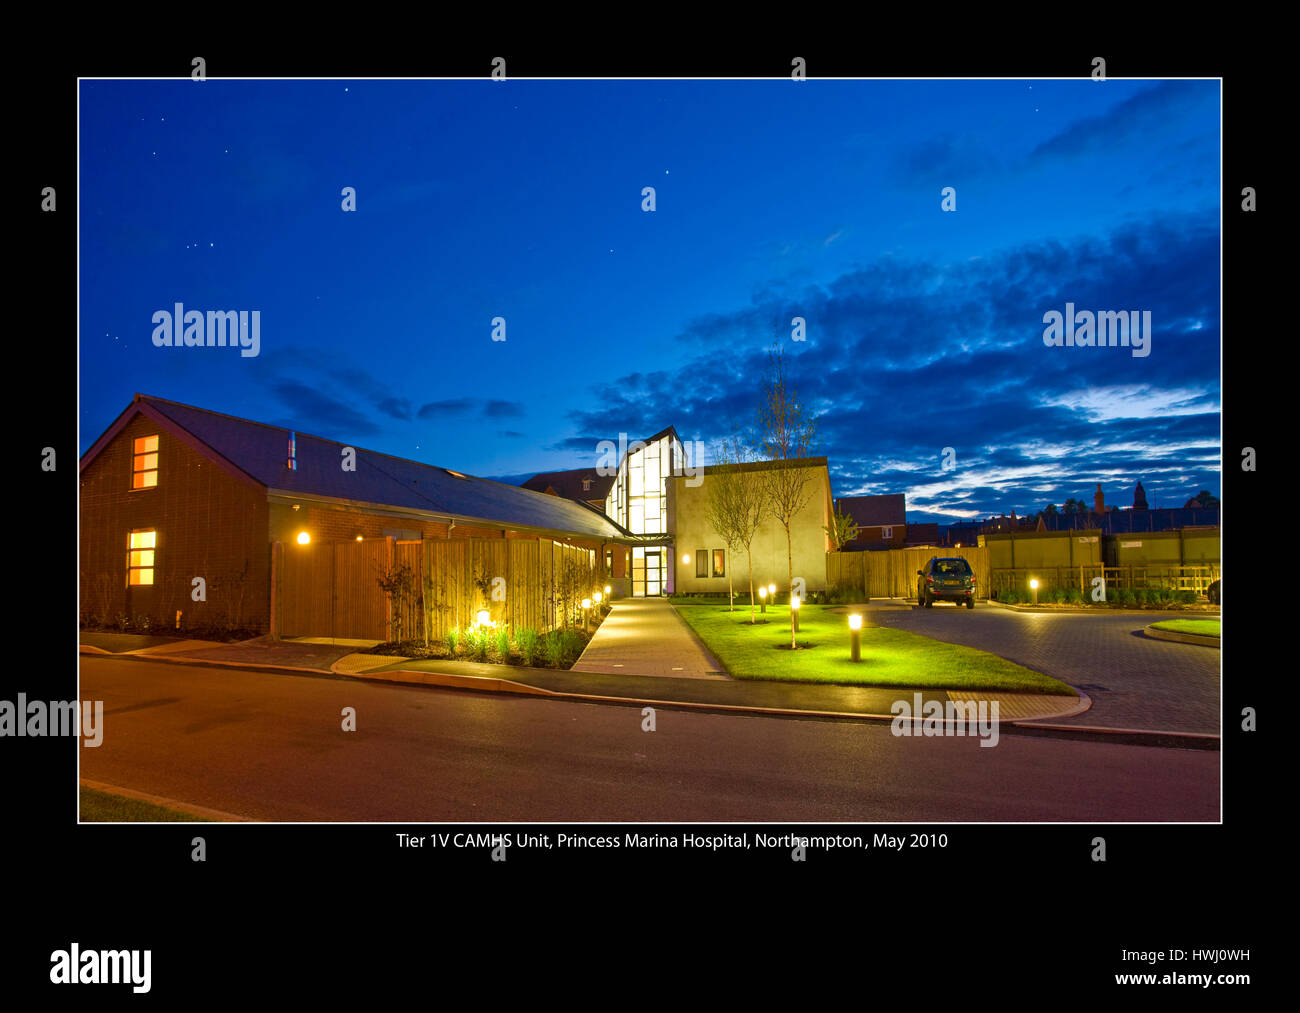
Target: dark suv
point(946, 579)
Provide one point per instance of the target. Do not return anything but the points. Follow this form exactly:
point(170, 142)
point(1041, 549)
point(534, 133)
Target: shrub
point(571, 645)
point(453, 639)
point(143, 624)
point(528, 645)
point(1122, 597)
point(1186, 597)
point(1075, 596)
point(551, 648)
point(1060, 596)
point(477, 643)
point(1140, 598)
point(503, 645)
point(1010, 597)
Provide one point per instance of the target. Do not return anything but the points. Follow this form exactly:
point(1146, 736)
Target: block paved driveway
point(1151, 684)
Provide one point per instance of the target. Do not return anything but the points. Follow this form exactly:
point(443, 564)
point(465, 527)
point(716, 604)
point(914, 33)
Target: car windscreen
point(951, 567)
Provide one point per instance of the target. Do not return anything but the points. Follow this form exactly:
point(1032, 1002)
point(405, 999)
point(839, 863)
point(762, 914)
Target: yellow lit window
point(144, 466)
point(140, 548)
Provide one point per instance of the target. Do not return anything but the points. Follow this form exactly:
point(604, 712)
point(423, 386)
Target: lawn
point(101, 806)
point(889, 657)
point(1202, 627)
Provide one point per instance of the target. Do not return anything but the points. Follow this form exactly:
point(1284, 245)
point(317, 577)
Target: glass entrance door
point(653, 572)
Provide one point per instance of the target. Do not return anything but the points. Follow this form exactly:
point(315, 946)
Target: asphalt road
point(1133, 680)
point(269, 746)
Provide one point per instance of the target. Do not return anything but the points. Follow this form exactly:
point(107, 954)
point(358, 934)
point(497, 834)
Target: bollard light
point(762, 599)
point(771, 589)
point(855, 637)
point(586, 613)
point(596, 597)
point(606, 590)
point(178, 619)
point(483, 617)
point(1033, 585)
point(794, 612)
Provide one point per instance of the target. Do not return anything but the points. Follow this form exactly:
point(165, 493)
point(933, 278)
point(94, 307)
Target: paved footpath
point(1134, 681)
point(645, 636)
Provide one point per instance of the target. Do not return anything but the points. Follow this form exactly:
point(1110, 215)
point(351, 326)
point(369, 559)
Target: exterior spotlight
point(484, 617)
point(762, 599)
point(855, 637)
point(304, 538)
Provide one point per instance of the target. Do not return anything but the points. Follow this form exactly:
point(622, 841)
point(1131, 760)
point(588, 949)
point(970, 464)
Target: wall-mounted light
point(686, 559)
point(358, 538)
point(304, 538)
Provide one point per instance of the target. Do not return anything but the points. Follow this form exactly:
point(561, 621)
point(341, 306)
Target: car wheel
point(970, 603)
point(929, 600)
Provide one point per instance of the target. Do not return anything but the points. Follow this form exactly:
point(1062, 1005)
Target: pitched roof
point(259, 452)
point(569, 483)
point(875, 511)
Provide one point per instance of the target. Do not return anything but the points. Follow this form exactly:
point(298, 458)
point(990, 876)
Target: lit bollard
point(855, 637)
point(1033, 586)
point(586, 613)
point(762, 600)
point(794, 613)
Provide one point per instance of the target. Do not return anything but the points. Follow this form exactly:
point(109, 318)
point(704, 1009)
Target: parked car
point(946, 578)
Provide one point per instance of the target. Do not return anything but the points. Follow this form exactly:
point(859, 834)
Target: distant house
point(881, 520)
point(922, 534)
point(585, 485)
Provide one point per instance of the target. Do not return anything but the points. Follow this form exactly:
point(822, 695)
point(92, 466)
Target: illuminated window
point(719, 562)
point(701, 562)
point(144, 463)
point(140, 546)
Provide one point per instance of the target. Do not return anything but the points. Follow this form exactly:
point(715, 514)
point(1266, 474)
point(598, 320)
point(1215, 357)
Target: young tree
point(788, 430)
point(841, 530)
point(736, 504)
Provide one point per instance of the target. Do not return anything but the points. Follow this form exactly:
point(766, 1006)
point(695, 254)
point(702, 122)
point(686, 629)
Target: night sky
point(522, 200)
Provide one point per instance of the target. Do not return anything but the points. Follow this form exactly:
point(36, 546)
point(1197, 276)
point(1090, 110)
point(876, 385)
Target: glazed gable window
point(144, 463)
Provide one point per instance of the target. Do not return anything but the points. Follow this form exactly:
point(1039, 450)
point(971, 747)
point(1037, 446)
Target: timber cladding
point(891, 573)
point(207, 523)
point(434, 585)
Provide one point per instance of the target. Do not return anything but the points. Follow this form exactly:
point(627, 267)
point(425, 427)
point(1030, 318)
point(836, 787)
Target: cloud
point(314, 408)
point(502, 409)
point(433, 409)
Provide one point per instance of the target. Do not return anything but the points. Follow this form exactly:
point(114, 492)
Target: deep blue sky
point(821, 199)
